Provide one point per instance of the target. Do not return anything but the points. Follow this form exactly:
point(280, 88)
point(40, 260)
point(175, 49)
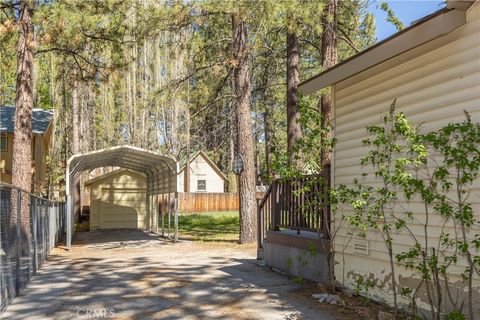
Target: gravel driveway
point(133, 275)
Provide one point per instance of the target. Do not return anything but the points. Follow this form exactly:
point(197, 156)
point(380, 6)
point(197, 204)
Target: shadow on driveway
point(134, 275)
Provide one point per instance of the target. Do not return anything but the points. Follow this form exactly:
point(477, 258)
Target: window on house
point(201, 185)
point(3, 142)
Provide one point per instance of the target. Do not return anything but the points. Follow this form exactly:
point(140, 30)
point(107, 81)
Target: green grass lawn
point(209, 226)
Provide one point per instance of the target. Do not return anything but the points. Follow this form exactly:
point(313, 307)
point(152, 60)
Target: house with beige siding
point(432, 69)
point(205, 176)
point(41, 139)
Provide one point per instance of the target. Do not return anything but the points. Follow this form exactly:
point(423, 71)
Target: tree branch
point(347, 39)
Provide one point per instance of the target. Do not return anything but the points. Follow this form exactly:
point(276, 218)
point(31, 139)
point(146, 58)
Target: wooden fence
point(207, 202)
point(203, 202)
point(192, 202)
point(296, 204)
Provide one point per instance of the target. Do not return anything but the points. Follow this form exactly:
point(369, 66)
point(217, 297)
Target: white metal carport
point(161, 172)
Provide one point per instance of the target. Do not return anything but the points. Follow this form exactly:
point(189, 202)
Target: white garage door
point(121, 209)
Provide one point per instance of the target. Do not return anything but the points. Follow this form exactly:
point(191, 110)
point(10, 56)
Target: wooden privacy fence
point(192, 202)
point(202, 202)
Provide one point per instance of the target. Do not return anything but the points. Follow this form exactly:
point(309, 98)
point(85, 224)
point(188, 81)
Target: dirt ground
point(134, 275)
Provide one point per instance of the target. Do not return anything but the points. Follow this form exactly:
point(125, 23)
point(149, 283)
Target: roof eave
point(459, 4)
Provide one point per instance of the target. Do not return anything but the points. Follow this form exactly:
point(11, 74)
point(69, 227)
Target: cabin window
point(201, 185)
point(3, 142)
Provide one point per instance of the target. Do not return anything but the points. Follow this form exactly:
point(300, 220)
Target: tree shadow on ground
point(142, 283)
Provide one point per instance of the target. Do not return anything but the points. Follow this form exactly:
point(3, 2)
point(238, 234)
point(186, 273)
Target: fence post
point(19, 241)
point(35, 250)
point(45, 229)
point(53, 225)
point(59, 227)
point(42, 231)
point(276, 207)
point(260, 227)
point(272, 207)
point(57, 223)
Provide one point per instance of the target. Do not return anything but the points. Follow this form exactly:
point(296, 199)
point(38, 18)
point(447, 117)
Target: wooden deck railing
point(300, 204)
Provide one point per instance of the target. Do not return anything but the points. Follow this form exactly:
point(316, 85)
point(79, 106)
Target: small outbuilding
point(117, 200)
point(205, 175)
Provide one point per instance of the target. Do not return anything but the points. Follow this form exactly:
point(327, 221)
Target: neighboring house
point(117, 200)
point(205, 176)
point(42, 133)
point(432, 68)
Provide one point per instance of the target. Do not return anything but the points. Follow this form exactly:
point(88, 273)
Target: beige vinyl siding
point(433, 90)
point(39, 152)
point(6, 160)
point(40, 160)
point(118, 201)
point(200, 169)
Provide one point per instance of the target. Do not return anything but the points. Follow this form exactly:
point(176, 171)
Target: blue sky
point(406, 10)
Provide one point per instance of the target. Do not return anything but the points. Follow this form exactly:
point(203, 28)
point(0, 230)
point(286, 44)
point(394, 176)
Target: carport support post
point(69, 222)
point(152, 210)
point(147, 200)
point(150, 214)
point(169, 212)
point(162, 209)
point(175, 221)
point(156, 212)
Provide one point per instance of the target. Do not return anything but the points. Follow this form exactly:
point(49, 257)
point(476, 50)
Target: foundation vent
point(361, 247)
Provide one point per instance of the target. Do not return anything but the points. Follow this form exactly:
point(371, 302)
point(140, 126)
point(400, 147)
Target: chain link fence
point(29, 228)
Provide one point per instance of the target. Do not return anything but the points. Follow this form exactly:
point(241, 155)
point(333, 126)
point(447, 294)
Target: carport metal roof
point(161, 172)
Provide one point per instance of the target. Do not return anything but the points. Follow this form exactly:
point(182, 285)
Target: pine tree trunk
point(266, 124)
point(186, 173)
point(76, 139)
point(242, 84)
point(22, 150)
point(232, 179)
point(329, 59)
point(294, 131)
point(256, 152)
point(22, 141)
point(135, 133)
point(75, 113)
point(145, 79)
